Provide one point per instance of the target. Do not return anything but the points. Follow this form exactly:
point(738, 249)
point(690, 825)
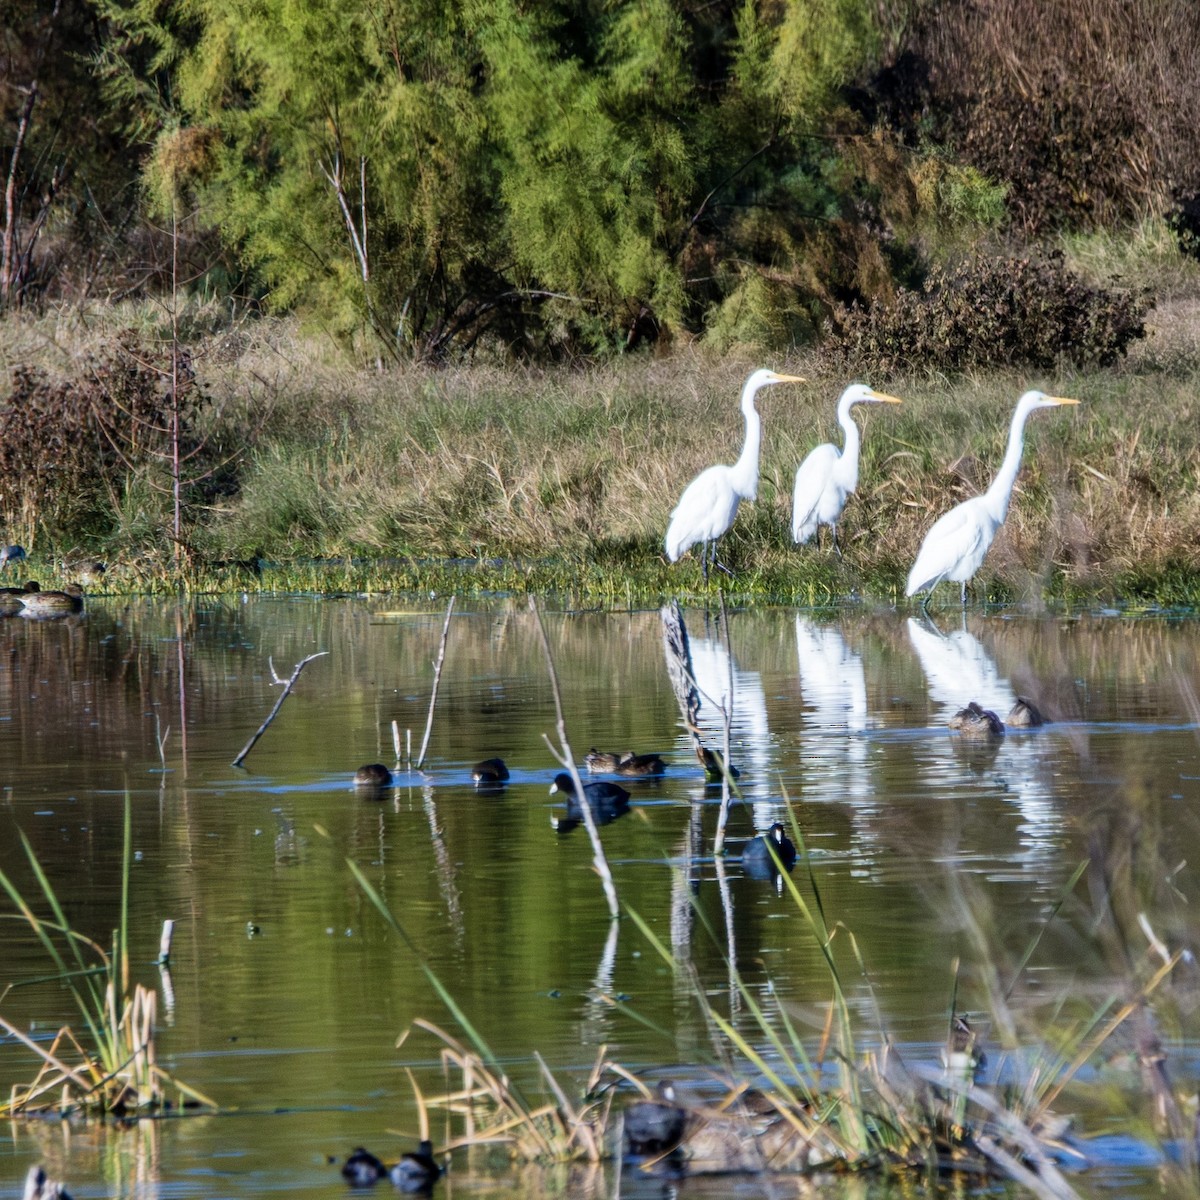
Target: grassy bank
point(486, 477)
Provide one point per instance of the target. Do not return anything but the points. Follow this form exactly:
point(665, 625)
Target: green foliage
point(531, 177)
point(1021, 312)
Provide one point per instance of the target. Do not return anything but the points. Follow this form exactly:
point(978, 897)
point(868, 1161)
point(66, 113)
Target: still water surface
point(287, 992)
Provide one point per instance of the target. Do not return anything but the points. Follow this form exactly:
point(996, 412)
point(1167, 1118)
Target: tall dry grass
point(580, 467)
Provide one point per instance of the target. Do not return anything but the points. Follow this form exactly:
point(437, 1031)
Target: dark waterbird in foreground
point(363, 1169)
point(372, 776)
point(627, 763)
point(757, 859)
point(1025, 715)
point(711, 761)
point(608, 801)
point(654, 1127)
point(975, 721)
point(417, 1171)
point(490, 773)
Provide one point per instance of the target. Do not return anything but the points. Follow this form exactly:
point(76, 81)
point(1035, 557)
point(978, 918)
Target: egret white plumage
point(827, 477)
point(955, 546)
point(710, 502)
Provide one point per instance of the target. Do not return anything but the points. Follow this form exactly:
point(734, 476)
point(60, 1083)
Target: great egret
point(710, 502)
point(955, 547)
point(827, 477)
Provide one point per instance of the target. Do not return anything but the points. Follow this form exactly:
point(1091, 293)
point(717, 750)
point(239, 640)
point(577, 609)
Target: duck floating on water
point(654, 1127)
point(363, 1169)
point(490, 773)
point(1024, 715)
point(607, 801)
point(373, 776)
point(417, 1171)
point(627, 763)
point(711, 761)
point(974, 721)
point(37, 603)
point(757, 861)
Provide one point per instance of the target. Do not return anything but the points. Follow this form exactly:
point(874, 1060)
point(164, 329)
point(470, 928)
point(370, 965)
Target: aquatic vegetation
point(108, 1065)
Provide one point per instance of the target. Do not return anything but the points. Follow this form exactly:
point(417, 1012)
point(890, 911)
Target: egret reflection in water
point(749, 733)
point(958, 668)
point(833, 686)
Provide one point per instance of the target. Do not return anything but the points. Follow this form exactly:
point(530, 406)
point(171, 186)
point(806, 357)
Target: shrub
point(1016, 312)
point(68, 445)
point(1084, 130)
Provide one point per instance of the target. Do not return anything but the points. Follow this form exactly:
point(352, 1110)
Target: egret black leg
point(833, 530)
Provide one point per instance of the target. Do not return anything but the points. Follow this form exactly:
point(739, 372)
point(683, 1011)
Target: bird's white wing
point(812, 478)
point(957, 539)
point(705, 511)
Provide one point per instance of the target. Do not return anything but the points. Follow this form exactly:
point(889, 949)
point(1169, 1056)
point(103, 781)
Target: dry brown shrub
point(1088, 109)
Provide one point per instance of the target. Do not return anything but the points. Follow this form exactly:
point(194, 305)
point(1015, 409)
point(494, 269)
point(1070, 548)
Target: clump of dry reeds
point(110, 1063)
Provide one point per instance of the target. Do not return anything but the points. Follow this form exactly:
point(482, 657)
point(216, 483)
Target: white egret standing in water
point(955, 547)
point(827, 477)
point(710, 502)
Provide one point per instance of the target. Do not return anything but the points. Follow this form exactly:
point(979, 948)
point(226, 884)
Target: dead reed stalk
point(564, 756)
point(437, 679)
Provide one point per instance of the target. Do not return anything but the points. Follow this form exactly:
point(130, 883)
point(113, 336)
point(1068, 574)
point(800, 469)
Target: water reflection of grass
point(110, 1064)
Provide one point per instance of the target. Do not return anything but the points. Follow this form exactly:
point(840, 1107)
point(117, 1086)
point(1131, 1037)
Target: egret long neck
point(848, 463)
point(744, 472)
point(999, 494)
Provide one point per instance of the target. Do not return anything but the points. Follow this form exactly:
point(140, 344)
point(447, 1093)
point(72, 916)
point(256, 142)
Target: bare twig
point(437, 678)
point(564, 757)
point(287, 687)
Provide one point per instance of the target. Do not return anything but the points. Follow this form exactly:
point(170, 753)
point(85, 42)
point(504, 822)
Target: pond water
point(287, 991)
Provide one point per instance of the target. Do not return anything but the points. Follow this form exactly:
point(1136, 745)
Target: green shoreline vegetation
point(487, 478)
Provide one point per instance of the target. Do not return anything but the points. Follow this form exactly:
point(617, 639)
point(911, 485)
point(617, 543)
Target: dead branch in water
point(679, 663)
point(567, 759)
point(437, 679)
point(287, 687)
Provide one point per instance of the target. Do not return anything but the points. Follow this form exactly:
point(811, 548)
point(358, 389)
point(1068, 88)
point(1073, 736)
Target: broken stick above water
point(437, 679)
point(287, 687)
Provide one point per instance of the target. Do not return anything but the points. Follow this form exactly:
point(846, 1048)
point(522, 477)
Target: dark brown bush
point(988, 312)
point(1087, 109)
point(68, 445)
